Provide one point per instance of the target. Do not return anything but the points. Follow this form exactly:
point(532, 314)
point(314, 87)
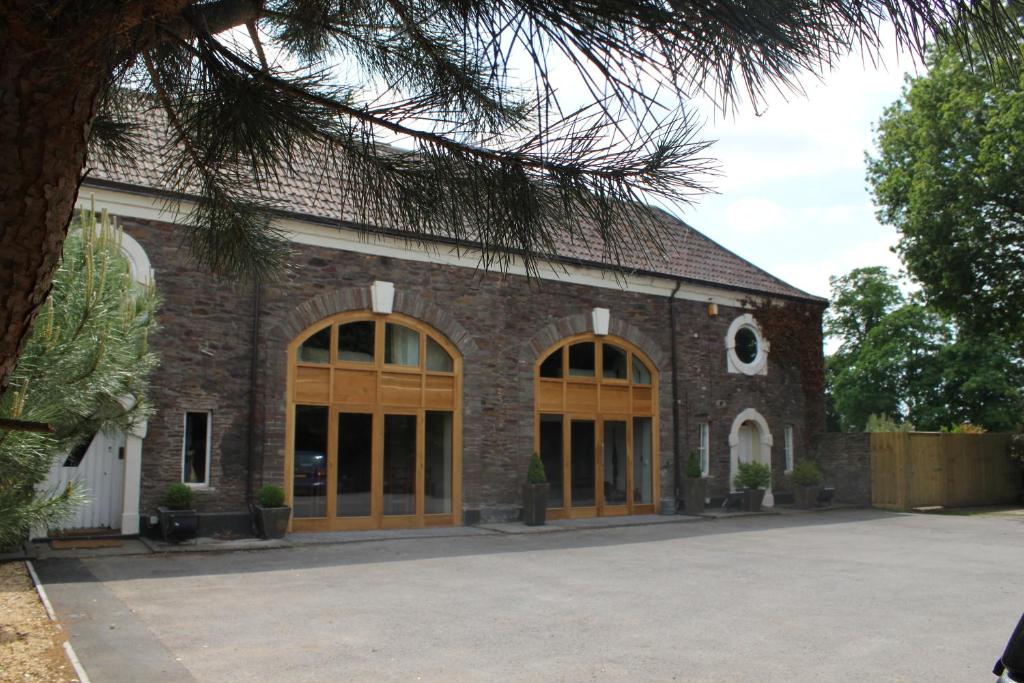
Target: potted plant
point(535, 493)
point(694, 488)
point(272, 514)
point(752, 478)
point(178, 518)
point(806, 484)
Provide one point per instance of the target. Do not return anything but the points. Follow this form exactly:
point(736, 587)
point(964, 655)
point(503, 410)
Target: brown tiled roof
point(317, 191)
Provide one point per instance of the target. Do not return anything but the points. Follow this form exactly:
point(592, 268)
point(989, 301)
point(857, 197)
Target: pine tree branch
point(365, 116)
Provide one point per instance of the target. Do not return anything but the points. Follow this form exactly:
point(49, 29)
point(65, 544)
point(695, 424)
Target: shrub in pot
point(535, 493)
point(178, 518)
point(272, 514)
point(752, 478)
point(694, 487)
point(806, 484)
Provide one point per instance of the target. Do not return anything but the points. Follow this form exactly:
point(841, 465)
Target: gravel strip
point(31, 646)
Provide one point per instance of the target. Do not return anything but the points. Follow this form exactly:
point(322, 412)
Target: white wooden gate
point(101, 474)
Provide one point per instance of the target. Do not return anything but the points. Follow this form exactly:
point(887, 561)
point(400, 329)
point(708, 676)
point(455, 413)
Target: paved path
point(843, 595)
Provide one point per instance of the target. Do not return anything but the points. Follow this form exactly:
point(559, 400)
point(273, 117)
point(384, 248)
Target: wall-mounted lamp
point(382, 297)
point(712, 310)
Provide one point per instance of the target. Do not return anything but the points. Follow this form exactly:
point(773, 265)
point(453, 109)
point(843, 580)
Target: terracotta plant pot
point(535, 504)
point(694, 493)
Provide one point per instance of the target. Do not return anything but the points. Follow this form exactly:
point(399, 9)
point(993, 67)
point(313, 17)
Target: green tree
point(910, 363)
point(860, 299)
point(83, 369)
point(947, 174)
point(490, 157)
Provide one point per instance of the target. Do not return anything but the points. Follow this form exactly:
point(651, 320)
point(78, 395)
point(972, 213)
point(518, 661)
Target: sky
point(792, 197)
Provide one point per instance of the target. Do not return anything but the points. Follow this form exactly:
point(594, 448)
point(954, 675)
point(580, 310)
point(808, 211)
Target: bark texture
point(47, 103)
point(56, 58)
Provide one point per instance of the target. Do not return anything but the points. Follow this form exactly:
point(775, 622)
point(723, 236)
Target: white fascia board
point(146, 207)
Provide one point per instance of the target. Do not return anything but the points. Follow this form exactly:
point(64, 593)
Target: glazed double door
point(597, 465)
point(373, 469)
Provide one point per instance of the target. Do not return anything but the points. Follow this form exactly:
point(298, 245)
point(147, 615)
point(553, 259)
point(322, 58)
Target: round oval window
point(746, 345)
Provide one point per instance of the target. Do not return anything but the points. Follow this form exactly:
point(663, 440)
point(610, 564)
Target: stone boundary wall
point(845, 462)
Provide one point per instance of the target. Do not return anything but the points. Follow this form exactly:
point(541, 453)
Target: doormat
point(82, 543)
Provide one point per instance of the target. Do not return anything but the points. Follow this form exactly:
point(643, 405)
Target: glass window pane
point(613, 362)
point(704, 447)
point(401, 345)
point(746, 345)
point(615, 468)
point(355, 464)
point(399, 464)
point(196, 426)
point(437, 476)
point(355, 341)
point(641, 375)
point(551, 456)
point(317, 348)
point(309, 472)
point(438, 359)
point(581, 360)
point(552, 365)
point(642, 472)
point(584, 476)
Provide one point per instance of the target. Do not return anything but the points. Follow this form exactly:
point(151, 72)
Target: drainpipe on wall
point(673, 360)
point(250, 445)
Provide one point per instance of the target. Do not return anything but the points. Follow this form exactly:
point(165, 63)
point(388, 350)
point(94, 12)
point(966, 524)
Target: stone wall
point(499, 324)
point(845, 461)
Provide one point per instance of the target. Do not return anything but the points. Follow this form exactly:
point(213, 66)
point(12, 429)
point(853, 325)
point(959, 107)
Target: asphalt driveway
point(850, 595)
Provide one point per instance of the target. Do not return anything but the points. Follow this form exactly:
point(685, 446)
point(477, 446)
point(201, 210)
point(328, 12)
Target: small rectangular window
point(704, 447)
point(789, 448)
point(196, 449)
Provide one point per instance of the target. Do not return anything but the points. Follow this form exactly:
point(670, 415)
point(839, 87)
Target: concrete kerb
point(295, 540)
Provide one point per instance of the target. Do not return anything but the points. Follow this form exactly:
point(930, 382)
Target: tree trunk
point(48, 100)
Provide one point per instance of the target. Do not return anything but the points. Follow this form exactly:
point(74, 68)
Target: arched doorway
point(596, 426)
point(750, 440)
point(374, 425)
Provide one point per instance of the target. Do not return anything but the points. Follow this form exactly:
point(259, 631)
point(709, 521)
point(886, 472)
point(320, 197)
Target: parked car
point(310, 474)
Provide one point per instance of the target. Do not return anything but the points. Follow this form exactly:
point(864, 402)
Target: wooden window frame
point(378, 406)
point(599, 413)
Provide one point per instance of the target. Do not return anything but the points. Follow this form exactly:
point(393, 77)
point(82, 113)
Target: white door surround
point(760, 449)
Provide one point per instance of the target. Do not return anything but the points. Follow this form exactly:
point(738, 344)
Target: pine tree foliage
point(84, 369)
point(489, 153)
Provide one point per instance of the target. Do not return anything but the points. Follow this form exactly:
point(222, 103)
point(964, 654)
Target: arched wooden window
point(596, 427)
point(374, 425)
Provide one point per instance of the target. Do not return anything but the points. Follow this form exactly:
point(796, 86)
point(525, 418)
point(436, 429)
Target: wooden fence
point(920, 469)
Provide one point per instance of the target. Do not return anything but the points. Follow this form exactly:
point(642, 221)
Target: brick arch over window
point(411, 304)
point(582, 323)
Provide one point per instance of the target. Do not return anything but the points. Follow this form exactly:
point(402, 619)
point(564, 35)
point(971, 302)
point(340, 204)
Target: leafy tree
point(947, 175)
point(911, 364)
point(83, 369)
point(495, 159)
point(860, 299)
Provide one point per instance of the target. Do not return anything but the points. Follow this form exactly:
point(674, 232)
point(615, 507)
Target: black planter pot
point(535, 504)
point(272, 522)
point(178, 525)
point(694, 492)
point(752, 499)
point(806, 496)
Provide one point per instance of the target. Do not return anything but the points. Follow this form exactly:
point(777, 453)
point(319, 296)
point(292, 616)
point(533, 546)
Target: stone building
point(387, 383)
